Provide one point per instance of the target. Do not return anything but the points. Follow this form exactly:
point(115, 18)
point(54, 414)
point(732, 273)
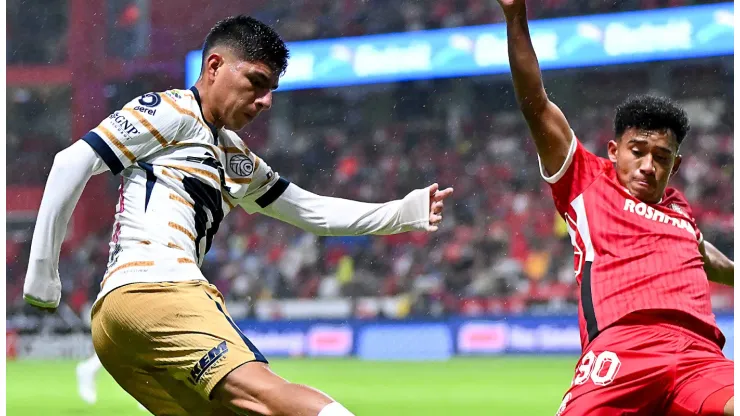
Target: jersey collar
point(213, 128)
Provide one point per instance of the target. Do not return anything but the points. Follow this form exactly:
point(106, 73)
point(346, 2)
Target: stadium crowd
point(502, 247)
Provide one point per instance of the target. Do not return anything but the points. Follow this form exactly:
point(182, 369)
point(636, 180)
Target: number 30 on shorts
point(601, 369)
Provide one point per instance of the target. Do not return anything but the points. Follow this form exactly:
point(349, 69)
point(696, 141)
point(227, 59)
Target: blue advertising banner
point(666, 34)
point(428, 340)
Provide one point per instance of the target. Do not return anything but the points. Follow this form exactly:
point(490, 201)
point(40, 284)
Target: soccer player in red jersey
point(650, 342)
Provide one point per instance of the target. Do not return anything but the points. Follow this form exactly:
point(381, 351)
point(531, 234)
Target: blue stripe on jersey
point(151, 179)
point(214, 131)
point(257, 354)
point(273, 193)
point(104, 151)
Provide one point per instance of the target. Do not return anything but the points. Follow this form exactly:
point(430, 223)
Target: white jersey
point(179, 177)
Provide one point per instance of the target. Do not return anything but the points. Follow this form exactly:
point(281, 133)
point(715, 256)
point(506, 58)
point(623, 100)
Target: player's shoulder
point(231, 141)
point(676, 201)
point(155, 107)
point(672, 194)
point(244, 171)
point(590, 152)
point(240, 161)
point(170, 104)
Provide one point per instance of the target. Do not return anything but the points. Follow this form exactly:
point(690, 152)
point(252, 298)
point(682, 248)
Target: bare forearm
point(719, 268)
point(525, 69)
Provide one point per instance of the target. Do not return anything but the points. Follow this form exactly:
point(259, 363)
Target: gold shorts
point(169, 344)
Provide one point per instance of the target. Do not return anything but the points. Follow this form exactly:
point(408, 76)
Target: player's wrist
point(415, 209)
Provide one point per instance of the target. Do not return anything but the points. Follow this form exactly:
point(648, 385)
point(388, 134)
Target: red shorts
point(657, 369)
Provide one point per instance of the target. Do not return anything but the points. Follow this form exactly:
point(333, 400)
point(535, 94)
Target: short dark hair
point(251, 39)
point(648, 112)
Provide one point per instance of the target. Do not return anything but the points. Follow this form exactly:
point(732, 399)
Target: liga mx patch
point(207, 361)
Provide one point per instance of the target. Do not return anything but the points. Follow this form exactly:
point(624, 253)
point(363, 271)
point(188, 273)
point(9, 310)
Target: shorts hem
point(714, 403)
point(223, 372)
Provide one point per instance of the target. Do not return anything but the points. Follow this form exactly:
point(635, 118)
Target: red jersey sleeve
point(676, 201)
point(579, 171)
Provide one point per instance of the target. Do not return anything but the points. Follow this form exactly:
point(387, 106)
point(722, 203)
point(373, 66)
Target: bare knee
point(254, 388)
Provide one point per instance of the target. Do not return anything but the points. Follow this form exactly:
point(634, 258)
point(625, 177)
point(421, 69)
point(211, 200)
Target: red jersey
point(630, 255)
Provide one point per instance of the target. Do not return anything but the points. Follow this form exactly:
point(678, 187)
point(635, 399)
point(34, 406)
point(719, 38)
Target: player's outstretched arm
point(69, 174)
point(420, 210)
point(548, 125)
point(719, 268)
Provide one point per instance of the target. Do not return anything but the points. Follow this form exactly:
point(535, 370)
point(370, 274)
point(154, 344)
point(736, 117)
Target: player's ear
point(676, 164)
point(612, 148)
point(213, 62)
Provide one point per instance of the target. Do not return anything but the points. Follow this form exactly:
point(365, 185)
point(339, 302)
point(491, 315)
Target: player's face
point(645, 161)
point(242, 90)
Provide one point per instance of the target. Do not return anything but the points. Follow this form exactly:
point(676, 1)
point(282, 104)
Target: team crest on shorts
point(200, 368)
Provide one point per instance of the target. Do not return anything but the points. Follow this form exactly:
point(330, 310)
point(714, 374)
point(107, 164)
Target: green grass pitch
point(463, 386)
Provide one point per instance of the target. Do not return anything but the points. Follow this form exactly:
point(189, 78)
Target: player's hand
point(436, 205)
point(511, 5)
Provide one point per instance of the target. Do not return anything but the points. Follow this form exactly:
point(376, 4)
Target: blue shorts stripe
point(257, 354)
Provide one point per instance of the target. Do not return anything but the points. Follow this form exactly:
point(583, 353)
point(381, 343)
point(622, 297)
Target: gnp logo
point(123, 125)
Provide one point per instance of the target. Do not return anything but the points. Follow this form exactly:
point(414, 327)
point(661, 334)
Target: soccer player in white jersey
point(160, 329)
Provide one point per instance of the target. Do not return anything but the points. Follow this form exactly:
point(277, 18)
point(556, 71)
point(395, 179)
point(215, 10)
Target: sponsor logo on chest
point(646, 211)
point(145, 110)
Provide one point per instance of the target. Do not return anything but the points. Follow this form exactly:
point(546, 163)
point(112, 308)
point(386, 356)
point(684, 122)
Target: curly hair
point(251, 39)
point(647, 112)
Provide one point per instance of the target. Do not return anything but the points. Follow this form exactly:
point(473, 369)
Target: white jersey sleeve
point(69, 174)
point(265, 187)
point(276, 197)
point(141, 128)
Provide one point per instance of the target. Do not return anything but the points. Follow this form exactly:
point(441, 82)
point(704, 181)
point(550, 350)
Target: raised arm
point(550, 130)
point(69, 174)
point(719, 268)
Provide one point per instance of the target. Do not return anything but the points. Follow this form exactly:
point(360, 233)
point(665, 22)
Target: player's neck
point(205, 108)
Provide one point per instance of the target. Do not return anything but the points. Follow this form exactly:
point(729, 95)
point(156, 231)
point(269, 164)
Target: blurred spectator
point(36, 31)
